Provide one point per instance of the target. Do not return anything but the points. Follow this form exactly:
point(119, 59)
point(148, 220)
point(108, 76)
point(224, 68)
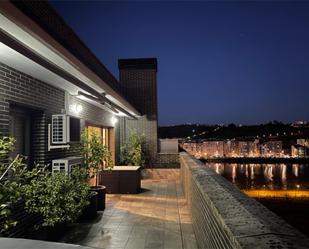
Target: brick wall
point(146, 129)
point(23, 90)
point(17, 88)
point(140, 87)
point(138, 80)
point(90, 113)
point(95, 115)
point(224, 217)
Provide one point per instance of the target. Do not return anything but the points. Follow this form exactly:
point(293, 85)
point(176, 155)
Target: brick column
point(138, 80)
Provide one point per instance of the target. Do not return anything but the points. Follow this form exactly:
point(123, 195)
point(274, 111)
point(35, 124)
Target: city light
point(243, 148)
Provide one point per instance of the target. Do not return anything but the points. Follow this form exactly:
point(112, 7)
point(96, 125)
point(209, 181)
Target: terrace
point(48, 73)
point(156, 218)
point(190, 207)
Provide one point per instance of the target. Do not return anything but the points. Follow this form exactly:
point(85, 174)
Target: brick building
point(46, 69)
point(138, 80)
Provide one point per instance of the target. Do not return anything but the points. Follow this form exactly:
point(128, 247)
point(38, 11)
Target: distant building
point(213, 148)
point(244, 148)
point(303, 142)
point(248, 148)
point(230, 148)
point(271, 149)
point(299, 151)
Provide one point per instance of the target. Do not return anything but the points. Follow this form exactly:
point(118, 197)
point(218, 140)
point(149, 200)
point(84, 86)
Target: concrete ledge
point(224, 217)
point(9, 243)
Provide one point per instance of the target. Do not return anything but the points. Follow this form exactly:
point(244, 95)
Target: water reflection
point(265, 176)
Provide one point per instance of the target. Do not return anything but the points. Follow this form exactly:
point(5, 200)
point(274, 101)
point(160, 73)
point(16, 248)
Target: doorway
point(20, 129)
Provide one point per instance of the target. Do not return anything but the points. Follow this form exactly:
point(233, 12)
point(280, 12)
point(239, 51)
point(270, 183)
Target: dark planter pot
point(25, 221)
point(90, 212)
point(48, 233)
point(101, 196)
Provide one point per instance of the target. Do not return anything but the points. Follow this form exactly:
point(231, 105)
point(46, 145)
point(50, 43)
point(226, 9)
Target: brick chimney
point(138, 80)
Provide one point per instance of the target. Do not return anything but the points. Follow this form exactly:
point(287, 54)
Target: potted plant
point(43, 199)
point(94, 154)
point(127, 179)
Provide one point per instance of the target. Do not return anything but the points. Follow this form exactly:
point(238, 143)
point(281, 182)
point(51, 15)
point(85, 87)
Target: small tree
point(96, 155)
point(108, 162)
point(133, 152)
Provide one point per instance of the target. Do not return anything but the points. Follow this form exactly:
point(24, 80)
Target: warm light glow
point(114, 120)
point(263, 193)
point(76, 108)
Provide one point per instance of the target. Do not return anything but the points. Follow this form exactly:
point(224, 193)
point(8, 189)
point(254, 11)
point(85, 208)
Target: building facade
point(45, 69)
point(138, 80)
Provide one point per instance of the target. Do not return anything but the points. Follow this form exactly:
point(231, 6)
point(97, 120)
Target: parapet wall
point(224, 217)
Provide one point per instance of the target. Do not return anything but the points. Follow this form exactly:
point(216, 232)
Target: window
point(74, 129)
point(106, 134)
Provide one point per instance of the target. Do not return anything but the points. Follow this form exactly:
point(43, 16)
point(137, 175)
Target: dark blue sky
point(218, 62)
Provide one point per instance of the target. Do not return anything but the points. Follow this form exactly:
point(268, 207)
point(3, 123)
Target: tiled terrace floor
point(156, 218)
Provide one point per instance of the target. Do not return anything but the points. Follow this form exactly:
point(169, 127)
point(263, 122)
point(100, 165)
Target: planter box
point(122, 180)
point(25, 221)
point(90, 212)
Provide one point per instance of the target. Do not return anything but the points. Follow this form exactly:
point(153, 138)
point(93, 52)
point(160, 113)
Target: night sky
point(242, 63)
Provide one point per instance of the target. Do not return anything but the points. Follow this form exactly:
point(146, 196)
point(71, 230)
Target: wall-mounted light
point(114, 120)
point(76, 108)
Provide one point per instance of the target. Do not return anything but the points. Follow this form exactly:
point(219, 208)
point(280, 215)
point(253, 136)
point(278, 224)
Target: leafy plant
point(109, 162)
point(14, 175)
point(58, 198)
point(96, 155)
point(133, 152)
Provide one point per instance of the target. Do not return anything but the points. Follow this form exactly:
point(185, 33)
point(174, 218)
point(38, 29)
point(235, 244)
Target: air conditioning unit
point(66, 164)
point(60, 130)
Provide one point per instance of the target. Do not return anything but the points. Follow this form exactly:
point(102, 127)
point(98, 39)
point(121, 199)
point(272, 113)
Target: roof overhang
point(28, 48)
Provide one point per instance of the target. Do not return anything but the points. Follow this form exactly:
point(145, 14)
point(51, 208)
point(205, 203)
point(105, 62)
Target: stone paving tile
point(156, 218)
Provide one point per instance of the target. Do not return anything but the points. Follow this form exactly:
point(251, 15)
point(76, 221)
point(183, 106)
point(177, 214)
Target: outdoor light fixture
point(76, 108)
point(103, 100)
point(114, 120)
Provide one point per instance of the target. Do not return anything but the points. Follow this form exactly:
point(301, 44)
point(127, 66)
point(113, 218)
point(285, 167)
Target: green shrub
point(58, 198)
point(133, 152)
point(11, 183)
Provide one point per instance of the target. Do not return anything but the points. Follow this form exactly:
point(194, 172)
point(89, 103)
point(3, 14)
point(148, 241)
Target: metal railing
point(8, 168)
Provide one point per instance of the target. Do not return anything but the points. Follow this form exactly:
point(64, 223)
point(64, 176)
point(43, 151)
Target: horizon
point(238, 124)
point(218, 62)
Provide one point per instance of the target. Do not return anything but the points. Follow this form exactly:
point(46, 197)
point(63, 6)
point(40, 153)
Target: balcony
point(156, 218)
point(190, 207)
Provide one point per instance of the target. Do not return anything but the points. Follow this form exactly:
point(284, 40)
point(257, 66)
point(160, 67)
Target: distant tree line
point(274, 129)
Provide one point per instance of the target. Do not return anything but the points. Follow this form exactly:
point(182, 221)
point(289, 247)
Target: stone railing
point(224, 217)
